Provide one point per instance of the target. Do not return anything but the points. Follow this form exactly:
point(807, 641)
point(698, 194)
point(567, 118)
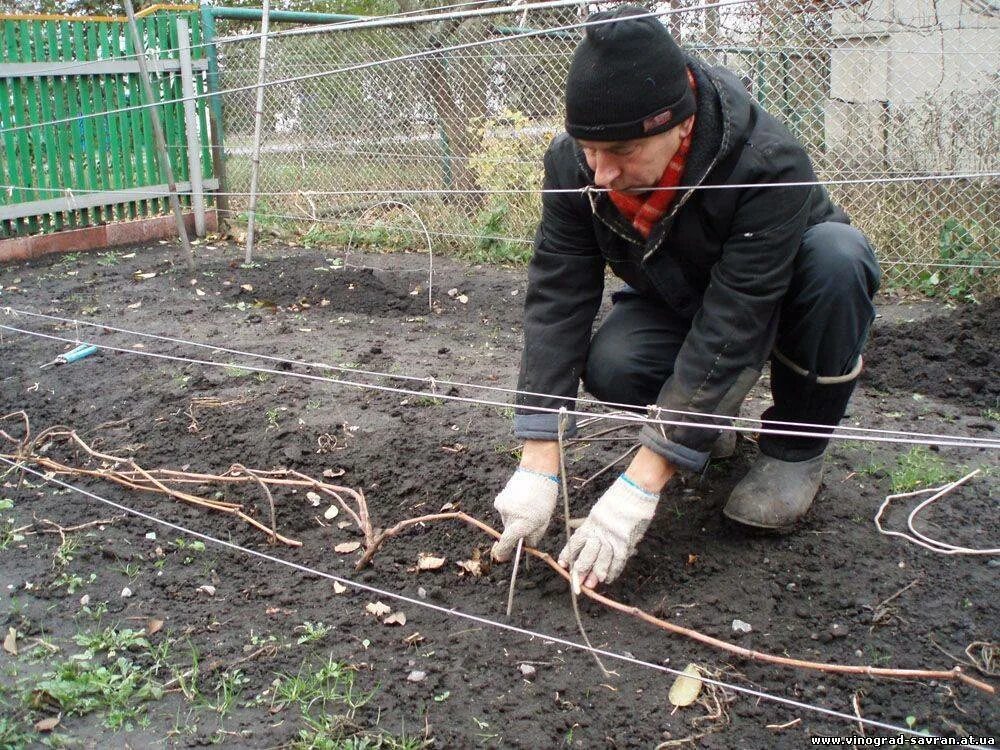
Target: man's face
point(635, 165)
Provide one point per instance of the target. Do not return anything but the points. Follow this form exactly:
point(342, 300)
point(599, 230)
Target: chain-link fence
point(877, 89)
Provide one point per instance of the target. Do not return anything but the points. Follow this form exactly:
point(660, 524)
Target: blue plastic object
point(81, 351)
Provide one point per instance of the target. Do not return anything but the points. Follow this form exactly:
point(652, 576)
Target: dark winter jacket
point(722, 258)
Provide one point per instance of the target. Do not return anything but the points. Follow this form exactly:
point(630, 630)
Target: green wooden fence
point(63, 164)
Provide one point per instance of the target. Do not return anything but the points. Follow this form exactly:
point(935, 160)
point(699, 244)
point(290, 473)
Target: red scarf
point(645, 209)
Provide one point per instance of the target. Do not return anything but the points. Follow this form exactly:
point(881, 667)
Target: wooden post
point(161, 144)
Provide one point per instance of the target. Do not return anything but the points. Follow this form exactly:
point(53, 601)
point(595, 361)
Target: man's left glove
point(608, 536)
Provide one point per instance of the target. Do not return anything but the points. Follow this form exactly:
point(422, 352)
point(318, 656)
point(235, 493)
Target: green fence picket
point(63, 144)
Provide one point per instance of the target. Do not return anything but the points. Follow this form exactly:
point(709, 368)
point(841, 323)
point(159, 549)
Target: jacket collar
point(712, 139)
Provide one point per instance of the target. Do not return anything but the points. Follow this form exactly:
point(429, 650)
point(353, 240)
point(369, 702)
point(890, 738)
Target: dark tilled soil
point(953, 356)
point(815, 594)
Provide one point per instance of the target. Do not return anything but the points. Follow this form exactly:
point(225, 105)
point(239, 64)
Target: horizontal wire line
point(526, 241)
point(218, 41)
point(455, 612)
point(943, 177)
point(341, 222)
point(836, 431)
point(420, 54)
point(406, 18)
point(436, 381)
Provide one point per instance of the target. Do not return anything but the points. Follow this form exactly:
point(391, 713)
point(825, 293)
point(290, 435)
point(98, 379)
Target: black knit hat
point(627, 80)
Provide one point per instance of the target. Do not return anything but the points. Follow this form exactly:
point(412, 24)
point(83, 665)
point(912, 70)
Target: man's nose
point(606, 170)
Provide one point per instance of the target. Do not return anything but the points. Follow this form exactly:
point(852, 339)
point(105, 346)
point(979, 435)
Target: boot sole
point(758, 525)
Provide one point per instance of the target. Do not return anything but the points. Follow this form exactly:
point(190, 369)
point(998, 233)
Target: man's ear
point(687, 126)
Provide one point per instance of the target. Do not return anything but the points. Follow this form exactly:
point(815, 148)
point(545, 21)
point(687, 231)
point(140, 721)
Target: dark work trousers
point(823, 326)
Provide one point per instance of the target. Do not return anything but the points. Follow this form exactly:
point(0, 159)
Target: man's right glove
point(598, 550)
point(526, 506)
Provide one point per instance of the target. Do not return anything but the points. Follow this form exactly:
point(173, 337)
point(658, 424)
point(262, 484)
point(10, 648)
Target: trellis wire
point(454, 611)
point(836, 432)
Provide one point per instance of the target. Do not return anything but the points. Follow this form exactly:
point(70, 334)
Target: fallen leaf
point(397, 618)
point(199, 292)
point(339, 588)
point(472, 567)
point(429, 562)
point(154, 626)
point(344, 525)
point(207, 589)
point(246, 287)
point(331, 512)
point(378, 609)
point(139, 276)
point(345, 548)
point(686, 687)
point(313, 498)
point(10, 642)
point(330, 473)
point(692, 559)
point(447, 506)
point(413, 638)
point(47, 725)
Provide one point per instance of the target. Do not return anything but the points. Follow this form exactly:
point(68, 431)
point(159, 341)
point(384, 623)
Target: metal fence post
point(191, 126)
point(255, 165)
point(216, 125)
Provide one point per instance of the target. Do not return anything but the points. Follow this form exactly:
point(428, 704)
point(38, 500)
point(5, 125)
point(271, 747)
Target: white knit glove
point(525, 505)
point(608, 536)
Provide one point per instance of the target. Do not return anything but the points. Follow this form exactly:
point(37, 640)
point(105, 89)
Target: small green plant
point(272, 418)
point(312, 632)
point(94, 611)
point(423, 401)
point(228, 690)
point(509, 158)
point(72, 582)
point(130, 570)
point(64, 554)
point(13, 734)
point(111, 641)
point(190, 547)
point(963, 251)
point(318, 236)
point(992, 413)
point(9, 535)
point(82, 685)
point(919, 468)
point(309, 689)
point(110, 258)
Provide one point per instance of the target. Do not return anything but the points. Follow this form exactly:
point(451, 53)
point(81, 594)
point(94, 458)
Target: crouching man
point(724, 270)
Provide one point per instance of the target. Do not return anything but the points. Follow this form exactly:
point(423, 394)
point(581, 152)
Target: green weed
point(965, 248)
point(333, 683)
point(228, 689)
point(312, 632)
point(82, 686)
point(72, 582)
point(920, 468)
point(111, 641)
